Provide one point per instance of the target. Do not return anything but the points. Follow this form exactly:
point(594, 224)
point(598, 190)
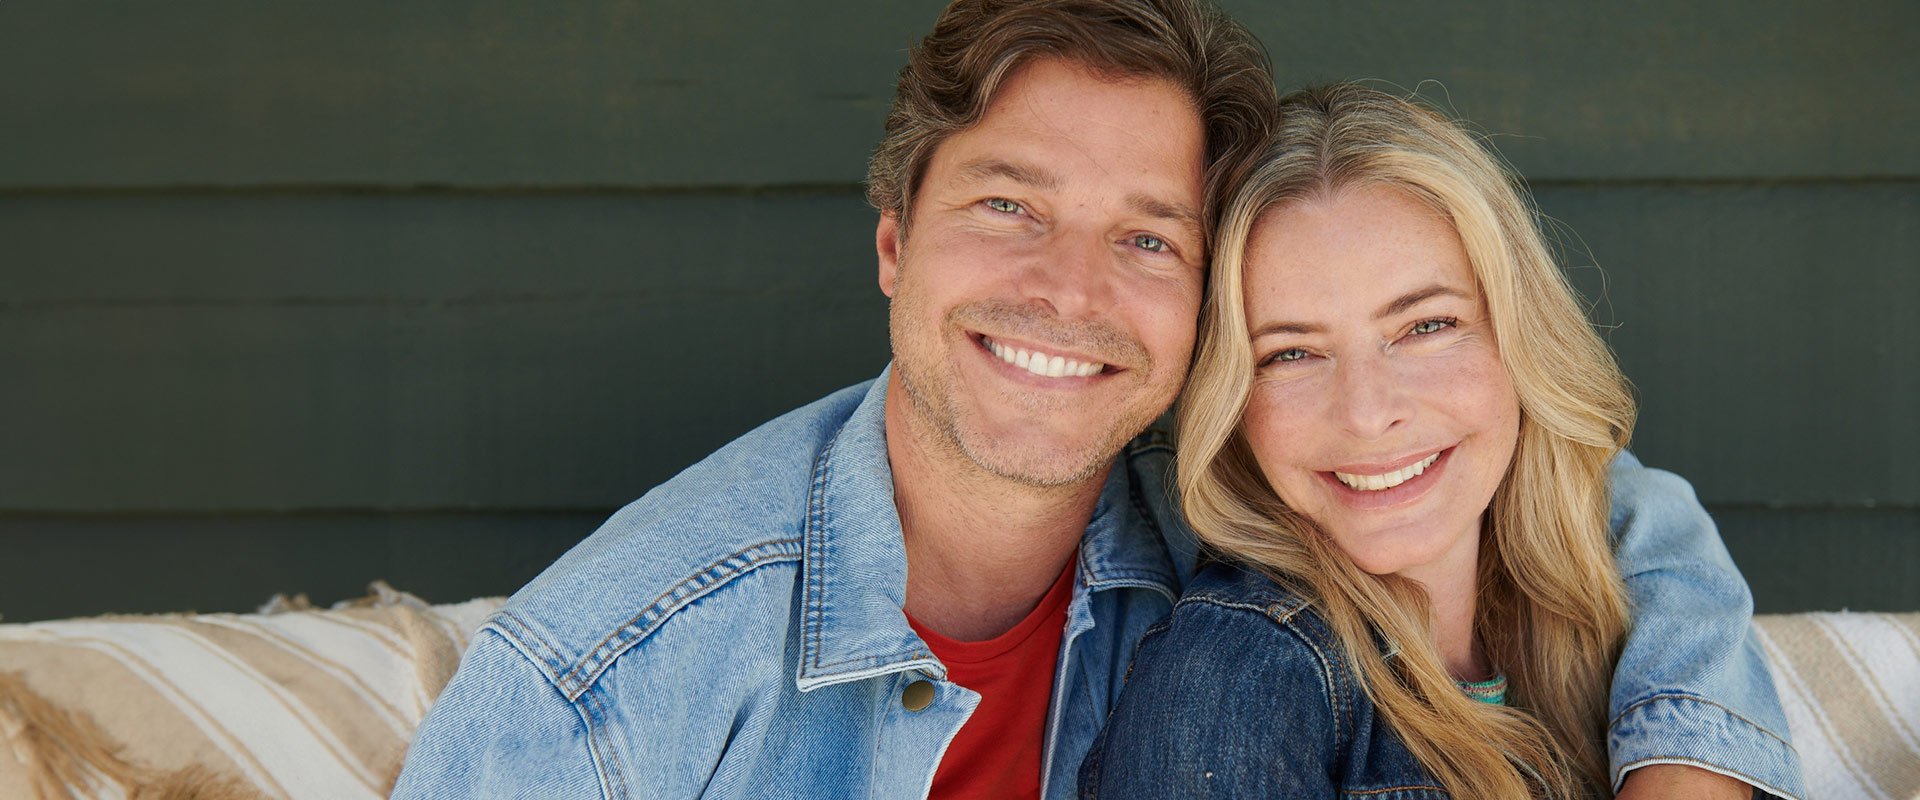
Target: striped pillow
point(292, 704)
point(1850, 684)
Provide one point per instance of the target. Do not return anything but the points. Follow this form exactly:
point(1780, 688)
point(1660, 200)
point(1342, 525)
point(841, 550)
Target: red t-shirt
point(997, 753)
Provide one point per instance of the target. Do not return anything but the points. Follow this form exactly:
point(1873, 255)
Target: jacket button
point(917, 696)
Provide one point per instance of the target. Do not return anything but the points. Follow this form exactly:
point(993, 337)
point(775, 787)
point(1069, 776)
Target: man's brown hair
point(950, 78)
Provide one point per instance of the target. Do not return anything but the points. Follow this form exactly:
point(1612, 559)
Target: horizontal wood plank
point(1826, 560)
point(68, 566)
point(731, 92)
point(1767, 331)
point(225, 249)
point(500, 406)
point(1793, 560)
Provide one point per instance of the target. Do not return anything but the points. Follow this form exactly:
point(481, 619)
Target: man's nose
point(1372, 399)
point(1072, 275)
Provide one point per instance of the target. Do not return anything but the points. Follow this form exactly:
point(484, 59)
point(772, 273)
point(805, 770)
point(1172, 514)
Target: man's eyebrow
point(1418, 296)
point(1400, 304)
point(981, 169)
point(1154, 207)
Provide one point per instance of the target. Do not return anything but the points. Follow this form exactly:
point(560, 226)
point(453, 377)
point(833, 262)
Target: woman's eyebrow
point(1400, 304)
point(1416, 297)
point(1297, 328)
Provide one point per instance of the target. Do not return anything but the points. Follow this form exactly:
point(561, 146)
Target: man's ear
point(886, 242)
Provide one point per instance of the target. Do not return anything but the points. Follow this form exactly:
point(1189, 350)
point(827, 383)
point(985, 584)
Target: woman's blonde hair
point(1551, 609)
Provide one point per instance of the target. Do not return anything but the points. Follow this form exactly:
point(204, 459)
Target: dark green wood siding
point(296, 298)
point(730, 92)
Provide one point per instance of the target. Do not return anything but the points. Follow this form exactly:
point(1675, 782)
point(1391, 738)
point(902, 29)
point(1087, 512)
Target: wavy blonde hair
point(1551, 608)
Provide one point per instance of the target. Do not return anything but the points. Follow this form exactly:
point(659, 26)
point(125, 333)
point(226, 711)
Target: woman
point(1399, 425)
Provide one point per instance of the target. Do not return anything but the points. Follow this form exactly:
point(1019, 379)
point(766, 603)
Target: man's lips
point(1044, 361)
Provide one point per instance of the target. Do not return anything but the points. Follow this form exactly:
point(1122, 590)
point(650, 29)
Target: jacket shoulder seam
point(525, 640)
point(583, 672)
point(1286, 612)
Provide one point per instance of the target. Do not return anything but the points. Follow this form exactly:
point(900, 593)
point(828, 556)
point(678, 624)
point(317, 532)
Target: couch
point(302, 702)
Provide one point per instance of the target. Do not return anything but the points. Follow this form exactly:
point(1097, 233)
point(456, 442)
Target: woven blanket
point(305, 703)
point(1850, 684)
point(292, 703)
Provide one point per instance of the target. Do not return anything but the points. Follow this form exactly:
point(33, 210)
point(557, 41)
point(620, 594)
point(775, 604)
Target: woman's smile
point(1399, 487)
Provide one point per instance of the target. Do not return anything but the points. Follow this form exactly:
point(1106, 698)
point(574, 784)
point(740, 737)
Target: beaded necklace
point(1492, 691)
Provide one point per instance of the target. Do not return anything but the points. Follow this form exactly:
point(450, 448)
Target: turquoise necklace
point(1492, 691)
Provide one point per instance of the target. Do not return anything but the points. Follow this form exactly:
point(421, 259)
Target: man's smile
point(1046, 363)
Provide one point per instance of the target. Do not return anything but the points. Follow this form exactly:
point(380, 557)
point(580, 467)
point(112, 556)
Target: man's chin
point(1051, 475)
point(1043, 445)
point(1039, 461)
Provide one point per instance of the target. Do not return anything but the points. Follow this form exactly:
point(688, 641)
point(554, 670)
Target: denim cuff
point(1692, 730)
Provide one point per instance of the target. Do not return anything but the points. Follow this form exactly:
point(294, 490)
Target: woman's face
point(1379, 408)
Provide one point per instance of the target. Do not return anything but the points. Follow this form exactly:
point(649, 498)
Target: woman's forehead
point(1352, 250)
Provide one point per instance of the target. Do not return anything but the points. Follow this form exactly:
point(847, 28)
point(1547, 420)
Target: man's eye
point(1151, 243)
point(1004, 205)
point(1428, 326)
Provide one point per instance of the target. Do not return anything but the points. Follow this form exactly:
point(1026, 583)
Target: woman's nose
point(1372, 398)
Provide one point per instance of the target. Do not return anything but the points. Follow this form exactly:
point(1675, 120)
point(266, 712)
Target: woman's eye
point(1288, 355)
point(1151, 243)
point(1425, 327)
point(1004, 205)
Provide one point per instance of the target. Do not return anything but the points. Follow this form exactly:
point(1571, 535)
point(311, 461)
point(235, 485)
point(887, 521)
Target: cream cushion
point(298, 703)
point(306, 703)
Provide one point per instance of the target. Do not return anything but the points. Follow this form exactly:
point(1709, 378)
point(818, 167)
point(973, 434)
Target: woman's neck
point(1452, 583)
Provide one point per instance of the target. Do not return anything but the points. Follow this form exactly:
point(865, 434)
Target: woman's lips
point(1396, 487)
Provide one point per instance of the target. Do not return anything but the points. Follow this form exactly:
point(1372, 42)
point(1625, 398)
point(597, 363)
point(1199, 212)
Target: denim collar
point(1124, 545)
point(855, 562)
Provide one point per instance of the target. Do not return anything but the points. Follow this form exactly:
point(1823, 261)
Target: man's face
point(1044, 301)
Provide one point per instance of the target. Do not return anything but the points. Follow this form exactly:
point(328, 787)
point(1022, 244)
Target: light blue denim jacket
point(738, 632)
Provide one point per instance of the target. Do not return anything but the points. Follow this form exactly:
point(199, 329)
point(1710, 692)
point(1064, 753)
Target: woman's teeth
point(1375, 483)
point(1042, 364)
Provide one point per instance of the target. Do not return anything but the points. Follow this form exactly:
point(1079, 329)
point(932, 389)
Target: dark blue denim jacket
point(1244, 692)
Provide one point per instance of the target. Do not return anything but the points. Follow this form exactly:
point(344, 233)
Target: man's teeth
point(1042, 364)
point(1375, 483)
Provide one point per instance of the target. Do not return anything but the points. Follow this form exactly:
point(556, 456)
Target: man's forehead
point(1066, 78)
point(1054, 117)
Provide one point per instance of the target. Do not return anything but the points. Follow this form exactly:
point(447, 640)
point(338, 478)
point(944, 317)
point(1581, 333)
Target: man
point(931, 584)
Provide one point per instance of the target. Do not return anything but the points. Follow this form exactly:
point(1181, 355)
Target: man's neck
point(982, 550)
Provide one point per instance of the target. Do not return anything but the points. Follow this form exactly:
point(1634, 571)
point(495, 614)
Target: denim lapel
point(1124, 545)
point(855, 568)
